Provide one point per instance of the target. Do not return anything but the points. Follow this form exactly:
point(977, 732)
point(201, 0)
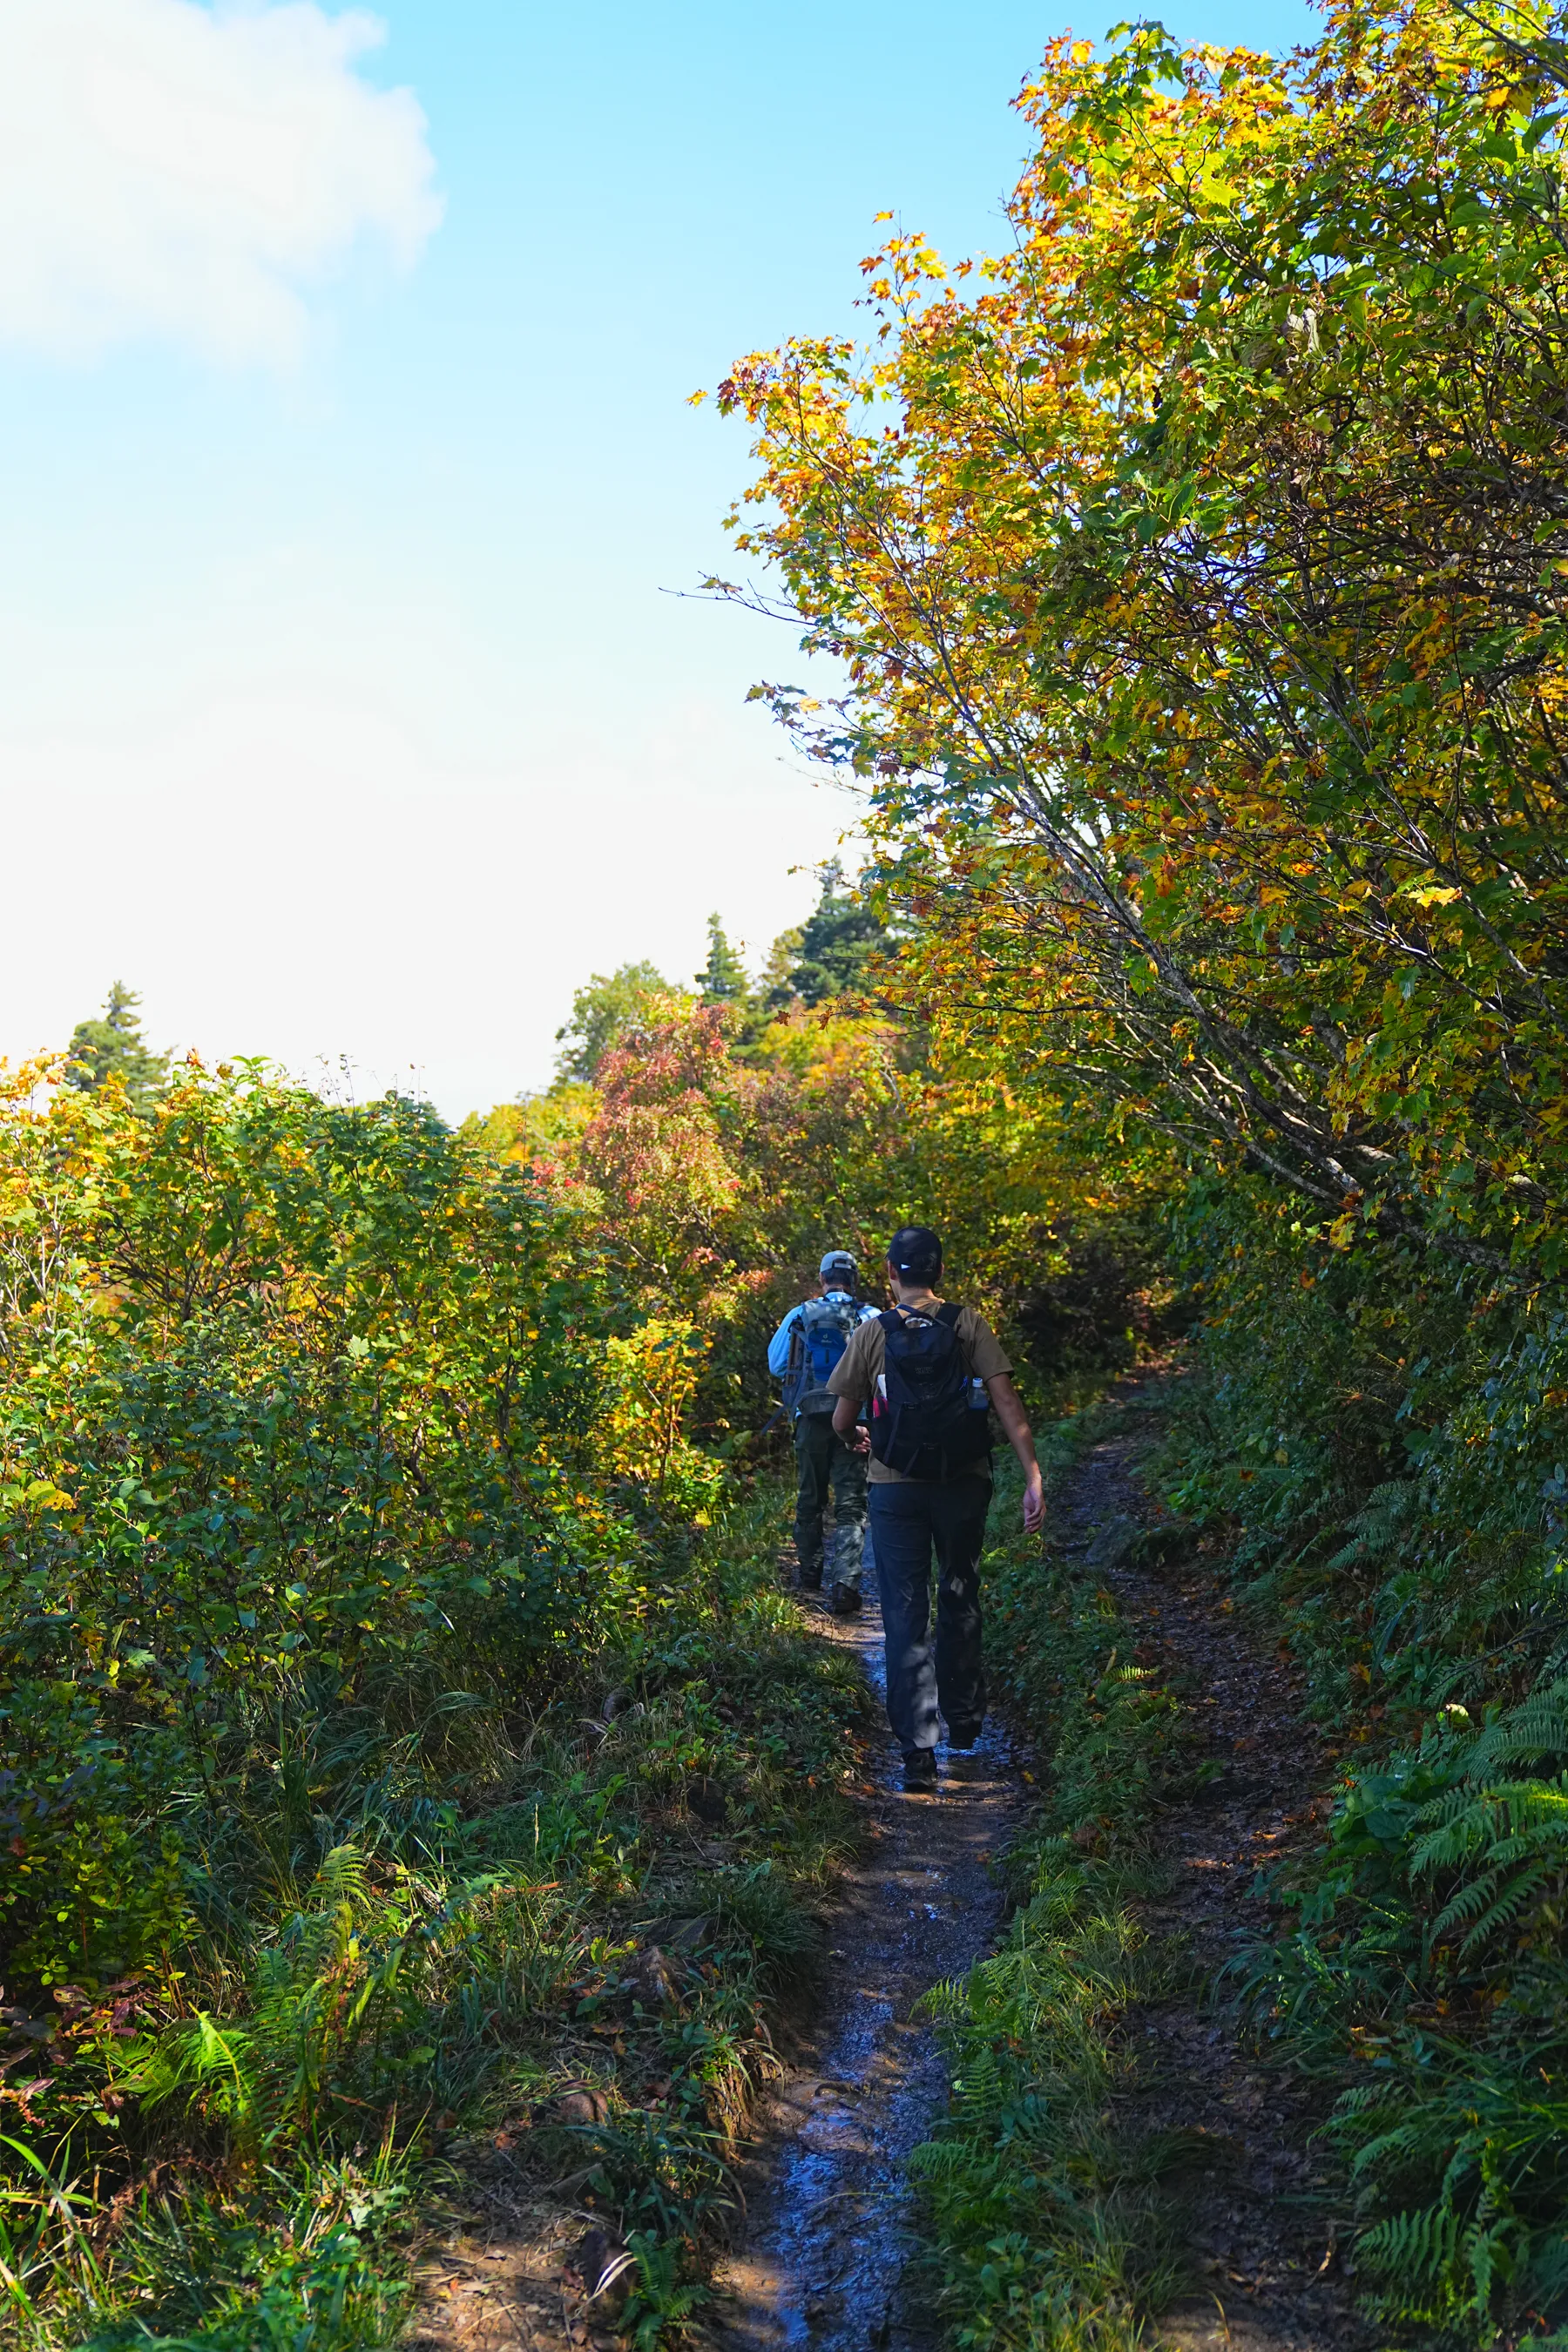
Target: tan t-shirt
point(857, 1373)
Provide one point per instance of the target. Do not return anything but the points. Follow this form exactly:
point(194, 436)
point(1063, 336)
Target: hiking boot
point(844, 1600)
point(919, 1772)
point(809, 1584)
point(962, 1737)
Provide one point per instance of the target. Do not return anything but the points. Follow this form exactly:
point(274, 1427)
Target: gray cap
point(837, 1261)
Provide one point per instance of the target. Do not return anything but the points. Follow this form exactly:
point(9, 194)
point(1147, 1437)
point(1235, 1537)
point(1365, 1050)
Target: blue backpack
point(815, 1345)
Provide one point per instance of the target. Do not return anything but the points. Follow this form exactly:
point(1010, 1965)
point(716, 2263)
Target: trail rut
point(830, 2232)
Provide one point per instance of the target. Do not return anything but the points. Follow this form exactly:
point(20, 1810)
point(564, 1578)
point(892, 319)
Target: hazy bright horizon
point(347, 463)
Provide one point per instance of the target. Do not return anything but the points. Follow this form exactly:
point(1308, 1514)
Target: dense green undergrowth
point(1374, 1439)
point(408, 1768)
point(1047, 2210)
point(401, 1727)
point(605, 1907)
point(1371, 1445)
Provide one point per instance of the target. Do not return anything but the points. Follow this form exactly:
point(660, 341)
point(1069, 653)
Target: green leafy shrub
point(325, 1529)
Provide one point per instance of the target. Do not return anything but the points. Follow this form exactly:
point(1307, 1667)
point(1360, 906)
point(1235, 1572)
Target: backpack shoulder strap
point(947, 1314)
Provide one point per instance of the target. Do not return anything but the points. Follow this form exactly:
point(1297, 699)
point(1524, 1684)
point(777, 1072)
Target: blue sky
point(344, 463)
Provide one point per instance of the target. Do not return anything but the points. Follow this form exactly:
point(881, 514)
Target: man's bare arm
point(847, 1424)
point(1016, 1429)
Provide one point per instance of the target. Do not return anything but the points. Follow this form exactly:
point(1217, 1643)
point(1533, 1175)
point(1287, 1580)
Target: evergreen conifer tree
point(774, 985)
point(115, 1046)
point(832, 946)
point(722, 980)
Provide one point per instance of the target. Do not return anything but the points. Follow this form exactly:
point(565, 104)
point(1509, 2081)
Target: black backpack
point(926, 1418)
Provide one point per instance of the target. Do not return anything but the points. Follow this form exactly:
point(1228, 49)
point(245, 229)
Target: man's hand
point(855, 1435)
point(1033, 1505)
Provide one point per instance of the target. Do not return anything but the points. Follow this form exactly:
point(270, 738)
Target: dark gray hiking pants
point(908, 1522)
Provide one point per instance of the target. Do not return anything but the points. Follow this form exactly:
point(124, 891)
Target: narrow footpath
point(830, 2235)
point(1265, 2245)
point(824, 2261)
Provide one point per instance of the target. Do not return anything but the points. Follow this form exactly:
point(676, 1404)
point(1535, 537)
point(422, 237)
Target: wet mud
point(830, 2233)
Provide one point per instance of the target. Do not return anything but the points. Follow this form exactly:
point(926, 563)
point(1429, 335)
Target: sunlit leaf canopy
point(1197, 569)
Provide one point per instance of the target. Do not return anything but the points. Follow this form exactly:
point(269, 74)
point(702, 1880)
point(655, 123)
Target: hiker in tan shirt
point(932, 1373)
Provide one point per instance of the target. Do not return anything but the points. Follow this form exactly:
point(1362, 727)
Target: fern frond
point(1400, 2139)
point(216, 2069)
point(1519, 1892)
point(343, 1878)
point(1538, 1727)
point(1465, 1903)
point(1418, 2246)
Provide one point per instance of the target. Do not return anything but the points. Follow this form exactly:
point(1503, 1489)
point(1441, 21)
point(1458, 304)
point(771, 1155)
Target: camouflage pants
point(824, 1461)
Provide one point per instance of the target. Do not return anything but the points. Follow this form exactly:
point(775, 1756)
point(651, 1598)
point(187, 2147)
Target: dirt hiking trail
point(823, 2260)
point(832, 2228)
point(1268, 2256)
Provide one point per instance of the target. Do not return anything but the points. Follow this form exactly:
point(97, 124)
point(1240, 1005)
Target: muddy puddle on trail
point(830, 2228)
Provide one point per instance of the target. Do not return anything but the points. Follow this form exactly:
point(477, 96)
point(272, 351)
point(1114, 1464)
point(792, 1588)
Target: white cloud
point(176, 171)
